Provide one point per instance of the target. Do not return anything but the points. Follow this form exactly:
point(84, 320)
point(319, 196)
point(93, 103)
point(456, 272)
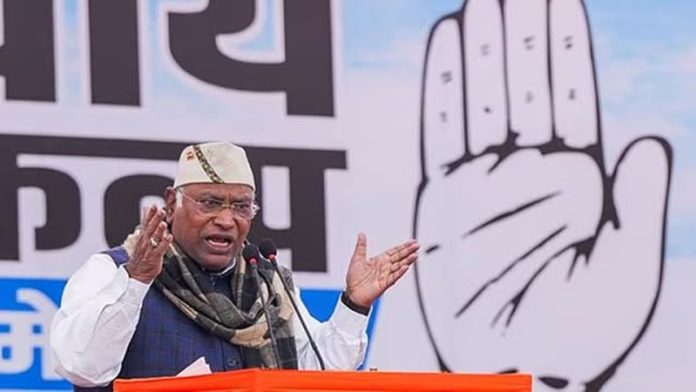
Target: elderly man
point(205, 302)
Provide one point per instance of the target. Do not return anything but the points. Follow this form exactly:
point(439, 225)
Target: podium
point(253, 380)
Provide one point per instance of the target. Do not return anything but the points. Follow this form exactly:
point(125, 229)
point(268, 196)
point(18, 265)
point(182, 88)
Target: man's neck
point(225, 270)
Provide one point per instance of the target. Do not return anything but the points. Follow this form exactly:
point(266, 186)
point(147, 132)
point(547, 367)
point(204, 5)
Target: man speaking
point(207, 301)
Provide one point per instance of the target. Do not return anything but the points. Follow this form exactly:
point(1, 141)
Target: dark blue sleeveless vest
point(166, 341)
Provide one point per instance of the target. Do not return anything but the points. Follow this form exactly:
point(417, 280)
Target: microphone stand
point(272, 258)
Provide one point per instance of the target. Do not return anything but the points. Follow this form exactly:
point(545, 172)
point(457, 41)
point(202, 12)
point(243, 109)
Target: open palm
point(368, 278)
point(533, 247)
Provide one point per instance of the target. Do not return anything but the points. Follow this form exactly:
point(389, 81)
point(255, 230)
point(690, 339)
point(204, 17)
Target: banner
point(540, 152)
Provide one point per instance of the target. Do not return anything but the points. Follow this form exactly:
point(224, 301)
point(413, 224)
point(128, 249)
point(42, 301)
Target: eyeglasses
point(212, 207)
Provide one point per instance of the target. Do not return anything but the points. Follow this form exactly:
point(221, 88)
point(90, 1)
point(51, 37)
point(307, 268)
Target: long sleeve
point(342, 340)
point(96, 321)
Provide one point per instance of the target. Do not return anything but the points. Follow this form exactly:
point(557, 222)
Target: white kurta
point(101, 307)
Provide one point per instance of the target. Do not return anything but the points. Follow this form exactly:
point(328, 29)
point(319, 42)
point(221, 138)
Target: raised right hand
point(145, 262)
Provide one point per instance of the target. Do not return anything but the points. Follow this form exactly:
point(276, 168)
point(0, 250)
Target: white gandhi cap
point(216, 162)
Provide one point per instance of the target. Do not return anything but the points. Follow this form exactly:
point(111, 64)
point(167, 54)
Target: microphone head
point(251, 254)
point(268, 249)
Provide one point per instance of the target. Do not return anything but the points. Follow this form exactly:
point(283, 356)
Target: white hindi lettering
point(24, 331)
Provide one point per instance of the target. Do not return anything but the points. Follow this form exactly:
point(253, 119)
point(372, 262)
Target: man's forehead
point(222, 190)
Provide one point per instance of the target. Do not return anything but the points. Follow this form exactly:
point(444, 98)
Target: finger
point(403, 250)
point(360, 246)
point(529, 93)
point(408, 252)
point(572, 75)
point(442, 133)
point(641, 184)
point(167, 240)
point(158, 234)
point(147, 214)
point(397, 248)
point(155, 219)
point(396, 275)
point(404, 262)
point(486, 107)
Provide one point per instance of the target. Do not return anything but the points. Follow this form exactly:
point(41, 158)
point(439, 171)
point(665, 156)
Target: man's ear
point(170, 203)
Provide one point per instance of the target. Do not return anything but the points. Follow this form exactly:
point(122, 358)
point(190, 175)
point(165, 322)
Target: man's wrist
point(133, 274)
point(364, 310)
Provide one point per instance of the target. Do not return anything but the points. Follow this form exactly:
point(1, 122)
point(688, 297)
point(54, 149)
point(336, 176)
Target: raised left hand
point(367, 279)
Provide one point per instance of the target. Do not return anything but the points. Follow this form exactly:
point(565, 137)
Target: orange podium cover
point(253, 380)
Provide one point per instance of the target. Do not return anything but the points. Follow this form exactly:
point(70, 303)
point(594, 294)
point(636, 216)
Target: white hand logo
point(537, 257)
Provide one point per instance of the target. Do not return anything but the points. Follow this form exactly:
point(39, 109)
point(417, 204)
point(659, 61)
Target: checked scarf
point(239, 320)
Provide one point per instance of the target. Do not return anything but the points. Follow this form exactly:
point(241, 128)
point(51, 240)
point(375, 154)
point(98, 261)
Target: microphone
point(269, 251)
point(251, 255)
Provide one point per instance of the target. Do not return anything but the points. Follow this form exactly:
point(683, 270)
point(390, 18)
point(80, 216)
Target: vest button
point(232, 364)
